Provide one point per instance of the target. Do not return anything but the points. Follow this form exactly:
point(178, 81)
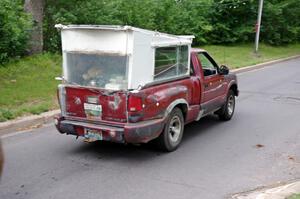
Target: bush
point(14, 29)
point(5, 115)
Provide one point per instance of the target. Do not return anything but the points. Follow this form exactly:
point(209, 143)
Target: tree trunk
point(36, 9)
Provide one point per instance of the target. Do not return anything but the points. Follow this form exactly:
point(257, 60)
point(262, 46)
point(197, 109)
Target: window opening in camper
point(96, 70)
point(170, 62)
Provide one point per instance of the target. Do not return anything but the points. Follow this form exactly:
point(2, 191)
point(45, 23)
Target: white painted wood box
point(121, 57)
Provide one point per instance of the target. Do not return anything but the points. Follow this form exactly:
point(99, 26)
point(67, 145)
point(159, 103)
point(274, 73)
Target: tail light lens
point(135, 104)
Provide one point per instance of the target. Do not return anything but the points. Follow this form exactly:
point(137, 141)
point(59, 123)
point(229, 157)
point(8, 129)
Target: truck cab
point(130, 85)
point(215, 81)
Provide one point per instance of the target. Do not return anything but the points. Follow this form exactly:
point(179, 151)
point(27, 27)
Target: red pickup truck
point(157, 110)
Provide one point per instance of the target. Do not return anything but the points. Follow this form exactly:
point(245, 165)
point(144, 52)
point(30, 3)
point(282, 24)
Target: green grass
point(294, 196)
point(27, 86)
point(236, 56)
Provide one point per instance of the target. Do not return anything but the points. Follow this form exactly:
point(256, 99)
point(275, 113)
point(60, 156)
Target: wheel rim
point(175, 129)
point(230, 104)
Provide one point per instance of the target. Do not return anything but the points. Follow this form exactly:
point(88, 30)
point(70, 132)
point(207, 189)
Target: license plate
point(92, 100)
point(92, 107)
point(92, 110)
point(93, 135)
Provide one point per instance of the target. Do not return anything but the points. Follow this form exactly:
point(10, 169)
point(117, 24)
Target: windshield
point(96, 70)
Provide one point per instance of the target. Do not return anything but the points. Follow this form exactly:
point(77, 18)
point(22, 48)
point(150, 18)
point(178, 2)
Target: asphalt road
point(259, 146)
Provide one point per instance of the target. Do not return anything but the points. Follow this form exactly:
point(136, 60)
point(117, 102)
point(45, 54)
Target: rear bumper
point(140, 132)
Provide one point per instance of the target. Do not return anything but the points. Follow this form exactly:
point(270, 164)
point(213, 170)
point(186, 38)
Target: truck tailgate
point(96, 104)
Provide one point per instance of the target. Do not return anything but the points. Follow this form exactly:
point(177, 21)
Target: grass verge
point(294, 196)
point(27, 86)
point(237, 56)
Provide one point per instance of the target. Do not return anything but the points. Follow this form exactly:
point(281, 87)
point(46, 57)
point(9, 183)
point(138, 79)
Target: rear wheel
point(170, 138)
point(227, 110)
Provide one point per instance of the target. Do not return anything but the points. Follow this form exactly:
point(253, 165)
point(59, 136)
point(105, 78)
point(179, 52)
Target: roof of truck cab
point(198, 50)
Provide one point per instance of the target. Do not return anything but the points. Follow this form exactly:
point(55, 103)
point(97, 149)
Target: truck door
point(195, 76)
point(213, 82)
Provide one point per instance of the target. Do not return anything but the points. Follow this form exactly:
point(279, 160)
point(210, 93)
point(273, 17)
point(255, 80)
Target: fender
point(174, 104)
point(232, 81)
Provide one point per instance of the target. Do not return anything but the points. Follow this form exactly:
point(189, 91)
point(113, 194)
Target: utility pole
point(260, 7)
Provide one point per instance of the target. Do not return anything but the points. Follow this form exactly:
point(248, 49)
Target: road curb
point(278, 192)
point(34, 121)
point(262, 65)
point(27, 122)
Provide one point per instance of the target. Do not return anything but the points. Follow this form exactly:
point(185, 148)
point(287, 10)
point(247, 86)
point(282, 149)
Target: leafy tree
point(15, 25)
point(281, 22)
point(233, 21)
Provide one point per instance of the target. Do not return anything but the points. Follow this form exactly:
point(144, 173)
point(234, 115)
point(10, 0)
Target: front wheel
point(171, 137)
point(227, 110)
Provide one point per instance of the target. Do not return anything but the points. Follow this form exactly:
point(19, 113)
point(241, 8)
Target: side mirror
point(224, 70)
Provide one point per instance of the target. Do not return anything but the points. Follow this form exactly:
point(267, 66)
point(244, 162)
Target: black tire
point(170, 138)
point(227, 110)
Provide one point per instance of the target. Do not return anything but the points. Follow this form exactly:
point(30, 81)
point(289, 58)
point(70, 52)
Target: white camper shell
point(122, 57)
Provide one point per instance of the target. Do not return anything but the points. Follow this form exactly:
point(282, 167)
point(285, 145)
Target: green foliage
point(5, 115)
point(233, 21)
point(294, 196)
point(211, 21)
point(14, 29)
point(281, 22)
point(178, 17)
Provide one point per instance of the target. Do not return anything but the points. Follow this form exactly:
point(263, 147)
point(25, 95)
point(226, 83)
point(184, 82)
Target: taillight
point(135, 104)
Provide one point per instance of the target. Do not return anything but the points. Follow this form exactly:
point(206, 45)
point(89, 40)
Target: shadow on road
point(203, 126)
point(109, 150)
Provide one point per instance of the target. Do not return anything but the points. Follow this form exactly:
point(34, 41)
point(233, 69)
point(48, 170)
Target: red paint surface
point(113, 106)
point(158, 98)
